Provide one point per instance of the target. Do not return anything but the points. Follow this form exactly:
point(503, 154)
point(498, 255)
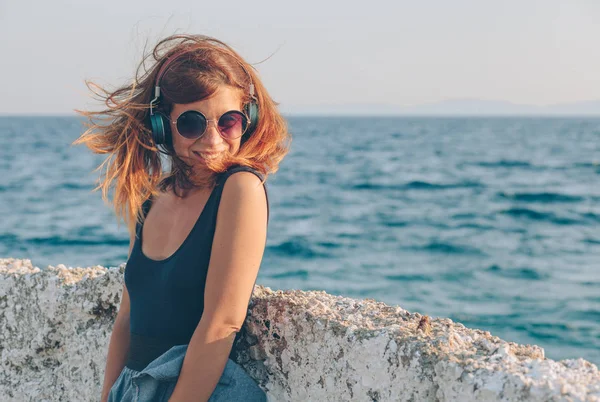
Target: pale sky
point(326, 52)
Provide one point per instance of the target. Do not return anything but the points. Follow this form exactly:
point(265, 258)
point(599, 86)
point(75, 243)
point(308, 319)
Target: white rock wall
point(300, 346)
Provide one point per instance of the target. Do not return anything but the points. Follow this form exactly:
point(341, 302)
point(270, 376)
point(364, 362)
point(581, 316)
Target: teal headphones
point(159, 123)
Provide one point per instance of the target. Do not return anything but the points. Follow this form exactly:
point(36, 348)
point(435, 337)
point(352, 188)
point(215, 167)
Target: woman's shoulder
point(246, 186)
point(242, 180)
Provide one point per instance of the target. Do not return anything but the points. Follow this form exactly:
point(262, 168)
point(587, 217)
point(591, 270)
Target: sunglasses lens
point(191, 124)
point(233, 124)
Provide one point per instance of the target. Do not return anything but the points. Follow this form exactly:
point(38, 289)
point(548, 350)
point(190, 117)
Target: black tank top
point(167, 296)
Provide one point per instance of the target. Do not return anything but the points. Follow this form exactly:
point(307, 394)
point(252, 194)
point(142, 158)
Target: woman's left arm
point(237, 250)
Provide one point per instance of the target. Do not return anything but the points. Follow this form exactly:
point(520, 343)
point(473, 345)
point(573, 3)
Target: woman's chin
point(208, 157)
point(209, 164)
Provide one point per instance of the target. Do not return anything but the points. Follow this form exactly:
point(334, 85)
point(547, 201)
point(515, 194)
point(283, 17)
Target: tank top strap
point(145, 208)
point(240, 168)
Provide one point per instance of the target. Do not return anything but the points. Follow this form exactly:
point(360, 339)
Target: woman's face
point(194, 151)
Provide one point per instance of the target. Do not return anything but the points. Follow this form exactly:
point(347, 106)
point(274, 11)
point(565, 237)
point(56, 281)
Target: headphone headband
point(174, 57)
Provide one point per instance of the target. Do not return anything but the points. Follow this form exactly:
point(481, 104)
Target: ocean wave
point(591, 216)
point(75, 186)
point(542, 197)
point(456, 275)
point(299, 247)
point(587, 165)
point(410, 278)
point(589, 240)
point(395, 223)
point(448, 248)
point(299, 273)
point(472, 225)
point(10, 240)
point(517, 273)
point(417, 185)
point(585, 315)
point(548, 331)
point(532, 214)
point(504, 163)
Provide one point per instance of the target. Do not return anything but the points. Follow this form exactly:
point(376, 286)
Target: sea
point(492, 222)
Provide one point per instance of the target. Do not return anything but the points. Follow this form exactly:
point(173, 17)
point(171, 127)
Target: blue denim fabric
point(156, 382)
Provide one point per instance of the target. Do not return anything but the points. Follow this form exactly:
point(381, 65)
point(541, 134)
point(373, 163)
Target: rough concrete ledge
point(55, 326)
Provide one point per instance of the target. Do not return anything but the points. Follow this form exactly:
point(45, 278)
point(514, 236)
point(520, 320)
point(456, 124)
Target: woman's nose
point(212, 134)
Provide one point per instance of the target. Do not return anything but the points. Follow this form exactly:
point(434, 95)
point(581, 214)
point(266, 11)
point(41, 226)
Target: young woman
point(198, 232)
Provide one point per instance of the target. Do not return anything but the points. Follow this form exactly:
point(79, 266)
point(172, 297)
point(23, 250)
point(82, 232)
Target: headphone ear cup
point(161, 129)
point(252, 112)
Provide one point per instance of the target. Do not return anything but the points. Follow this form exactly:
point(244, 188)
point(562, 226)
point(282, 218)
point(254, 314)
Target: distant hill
point(453, 107)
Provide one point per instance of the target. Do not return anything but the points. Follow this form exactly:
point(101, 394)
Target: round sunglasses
point(192, 124)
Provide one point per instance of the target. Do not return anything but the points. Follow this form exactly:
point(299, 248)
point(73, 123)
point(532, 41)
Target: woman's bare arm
point(236, 253)
point(119, 342)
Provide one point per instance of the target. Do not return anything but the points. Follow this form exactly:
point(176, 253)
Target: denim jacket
point(157, 381)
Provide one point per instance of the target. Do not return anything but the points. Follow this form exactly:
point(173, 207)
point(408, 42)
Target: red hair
point(122, 130)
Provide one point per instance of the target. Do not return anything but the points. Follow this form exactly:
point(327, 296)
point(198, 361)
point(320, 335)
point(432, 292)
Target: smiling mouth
point(206, 155)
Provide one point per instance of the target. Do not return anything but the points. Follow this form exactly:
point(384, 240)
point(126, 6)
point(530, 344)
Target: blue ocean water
point(493, 222)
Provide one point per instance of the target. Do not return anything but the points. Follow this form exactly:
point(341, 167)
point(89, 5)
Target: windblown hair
point(122, 130)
